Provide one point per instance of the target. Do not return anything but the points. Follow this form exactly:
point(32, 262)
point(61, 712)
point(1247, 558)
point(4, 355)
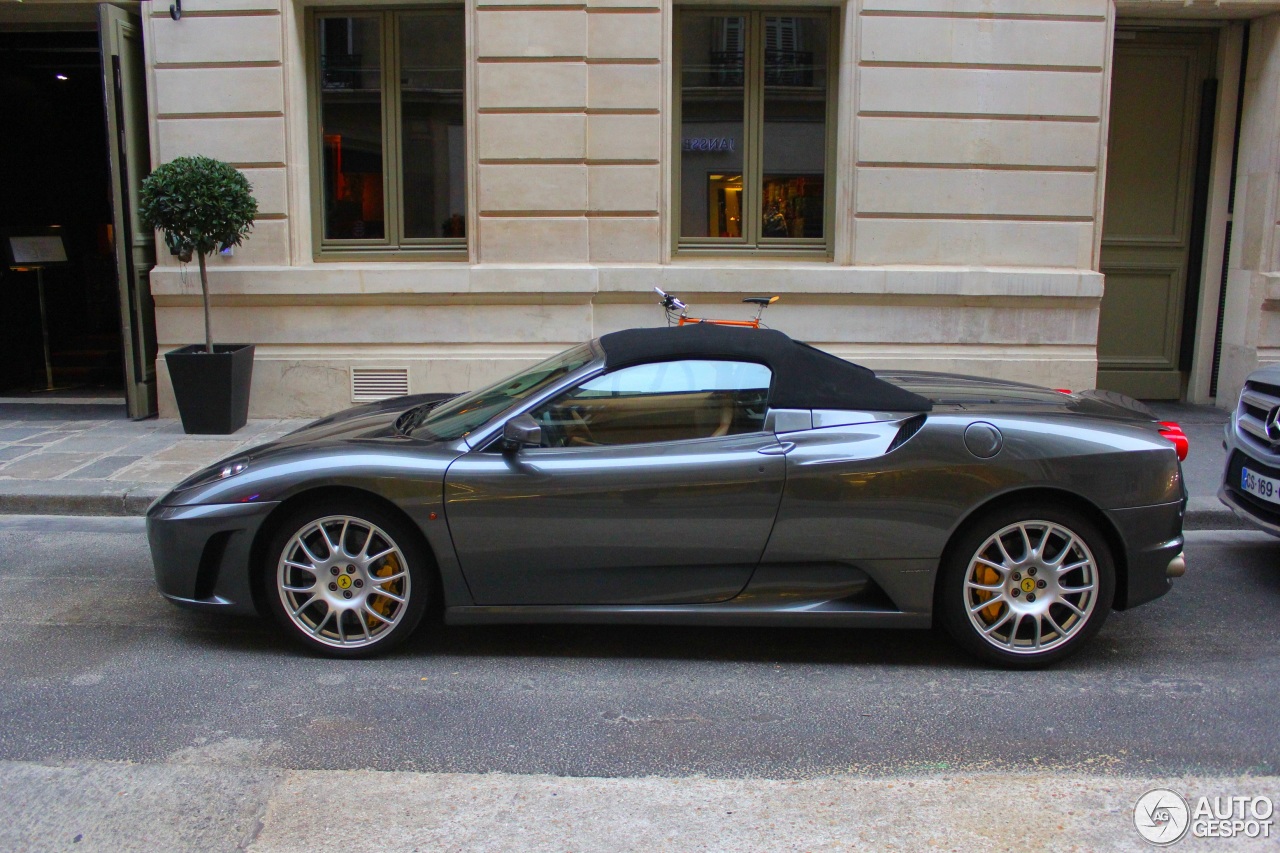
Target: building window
point(756, 131)
point(388, 140)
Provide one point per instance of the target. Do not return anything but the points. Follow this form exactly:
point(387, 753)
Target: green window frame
point(347, 194)
point(758, 50)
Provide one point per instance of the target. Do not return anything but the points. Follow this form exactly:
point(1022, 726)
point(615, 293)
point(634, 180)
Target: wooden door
point(124, 82)
point(1149, 218)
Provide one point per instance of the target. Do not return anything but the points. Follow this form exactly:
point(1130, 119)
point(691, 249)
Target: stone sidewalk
point(72, 460)
point(90, 460)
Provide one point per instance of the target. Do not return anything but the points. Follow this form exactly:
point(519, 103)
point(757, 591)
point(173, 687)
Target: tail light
point(1063, 390)
point(1174, 433)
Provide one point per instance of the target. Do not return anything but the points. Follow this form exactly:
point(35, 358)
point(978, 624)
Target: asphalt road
point(97, 667)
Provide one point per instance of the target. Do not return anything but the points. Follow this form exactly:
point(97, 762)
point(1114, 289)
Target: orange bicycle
point(678, 312)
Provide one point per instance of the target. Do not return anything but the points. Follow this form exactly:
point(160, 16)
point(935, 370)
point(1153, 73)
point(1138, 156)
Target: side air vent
point(909, 427)
point(371, 384)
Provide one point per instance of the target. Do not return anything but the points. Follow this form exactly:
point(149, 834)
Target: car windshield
point(455, 418)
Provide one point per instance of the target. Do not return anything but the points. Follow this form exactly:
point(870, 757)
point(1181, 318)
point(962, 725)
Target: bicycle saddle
point(761, 300)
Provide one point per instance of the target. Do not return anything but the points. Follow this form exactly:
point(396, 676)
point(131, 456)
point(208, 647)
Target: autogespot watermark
point(1163, 817)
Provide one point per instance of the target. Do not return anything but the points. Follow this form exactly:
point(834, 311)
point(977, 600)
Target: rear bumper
point(1152, 538)
point(201, 554)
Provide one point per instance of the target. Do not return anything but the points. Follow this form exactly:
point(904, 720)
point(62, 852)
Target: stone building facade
point(923, 182)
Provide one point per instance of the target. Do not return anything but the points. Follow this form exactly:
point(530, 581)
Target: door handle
point(782, 448)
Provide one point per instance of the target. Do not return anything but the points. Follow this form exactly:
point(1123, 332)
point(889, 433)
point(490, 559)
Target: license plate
point(1260, 486)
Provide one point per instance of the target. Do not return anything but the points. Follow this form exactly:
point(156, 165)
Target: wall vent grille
point(370, 384)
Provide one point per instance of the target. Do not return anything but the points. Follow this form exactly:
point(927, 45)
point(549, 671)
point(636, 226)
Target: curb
point(1212, 514)
point(1202, 513)
point(128, 502)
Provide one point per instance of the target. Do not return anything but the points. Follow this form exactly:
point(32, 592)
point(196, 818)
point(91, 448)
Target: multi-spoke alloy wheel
point(1031, 587)
point(346, 583)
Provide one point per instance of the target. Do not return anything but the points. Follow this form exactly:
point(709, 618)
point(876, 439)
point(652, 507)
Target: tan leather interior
point(645, 418)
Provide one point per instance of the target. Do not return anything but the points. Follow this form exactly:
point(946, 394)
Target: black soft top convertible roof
point(803, 377)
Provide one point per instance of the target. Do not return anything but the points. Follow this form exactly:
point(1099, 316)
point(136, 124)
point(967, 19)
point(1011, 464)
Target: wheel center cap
point(344, 582)
point(1028, 585)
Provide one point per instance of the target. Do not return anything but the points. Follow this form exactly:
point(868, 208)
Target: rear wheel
point(1026, 586)
point(347, 579)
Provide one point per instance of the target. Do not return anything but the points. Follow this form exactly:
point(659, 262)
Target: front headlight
point(231, 469)
point(221, 471)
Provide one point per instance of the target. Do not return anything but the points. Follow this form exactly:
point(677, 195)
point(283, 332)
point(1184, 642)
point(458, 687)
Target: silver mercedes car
point(700, 474)
point(1251, 481)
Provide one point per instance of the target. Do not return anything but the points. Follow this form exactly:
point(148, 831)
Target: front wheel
point(347, 580)
point(1026, 586)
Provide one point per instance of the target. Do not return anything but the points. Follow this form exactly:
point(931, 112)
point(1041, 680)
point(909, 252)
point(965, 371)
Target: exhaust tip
point(1177, 567)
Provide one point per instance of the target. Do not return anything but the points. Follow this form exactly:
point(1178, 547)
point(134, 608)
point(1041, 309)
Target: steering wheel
point(581, 433)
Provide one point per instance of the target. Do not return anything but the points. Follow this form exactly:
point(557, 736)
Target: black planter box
point(212, 389)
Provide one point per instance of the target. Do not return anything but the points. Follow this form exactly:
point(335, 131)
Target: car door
point(653, 484)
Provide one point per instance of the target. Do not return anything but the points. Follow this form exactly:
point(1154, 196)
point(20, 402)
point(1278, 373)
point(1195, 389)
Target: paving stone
point(196, 452)
point(91, 442)
point(171, 427)
point(13, 451)
point(17, 433)
point(46, 437)
point(148, 444)
point(133, 430)
point(103, 468)
point(256, 428)
point(147, 471)
point(43, 466)
point(205, 439)
point(65, 426)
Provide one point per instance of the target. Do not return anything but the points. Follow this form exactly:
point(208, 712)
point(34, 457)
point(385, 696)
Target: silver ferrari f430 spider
point(700, 474)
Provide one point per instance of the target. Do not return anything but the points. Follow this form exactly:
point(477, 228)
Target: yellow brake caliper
point(987, 576)
point(390, 566)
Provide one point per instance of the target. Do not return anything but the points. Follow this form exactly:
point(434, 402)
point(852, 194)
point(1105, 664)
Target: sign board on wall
point(708, 143)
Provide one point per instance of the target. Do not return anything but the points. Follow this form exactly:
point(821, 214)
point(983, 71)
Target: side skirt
point(690, 614)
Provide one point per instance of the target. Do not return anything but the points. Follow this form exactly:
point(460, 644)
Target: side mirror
point(521, 431)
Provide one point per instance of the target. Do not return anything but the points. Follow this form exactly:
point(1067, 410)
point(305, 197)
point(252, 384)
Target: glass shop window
point(756, 131)
point(388, 130)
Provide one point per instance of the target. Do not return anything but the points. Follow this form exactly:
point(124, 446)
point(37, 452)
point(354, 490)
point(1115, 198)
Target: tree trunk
point(204, 289)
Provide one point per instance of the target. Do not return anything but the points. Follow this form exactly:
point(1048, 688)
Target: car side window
point(661, 401)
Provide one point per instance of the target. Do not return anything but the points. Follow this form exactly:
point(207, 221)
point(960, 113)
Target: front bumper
point(1253, 509)
point(202, 553)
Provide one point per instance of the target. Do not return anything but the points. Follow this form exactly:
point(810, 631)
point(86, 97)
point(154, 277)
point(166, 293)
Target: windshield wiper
point(412, 418)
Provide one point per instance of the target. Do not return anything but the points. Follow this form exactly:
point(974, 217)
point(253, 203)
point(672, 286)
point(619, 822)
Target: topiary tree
point(201, 205)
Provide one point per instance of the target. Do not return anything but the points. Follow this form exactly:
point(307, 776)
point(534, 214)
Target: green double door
point(1149, 240)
